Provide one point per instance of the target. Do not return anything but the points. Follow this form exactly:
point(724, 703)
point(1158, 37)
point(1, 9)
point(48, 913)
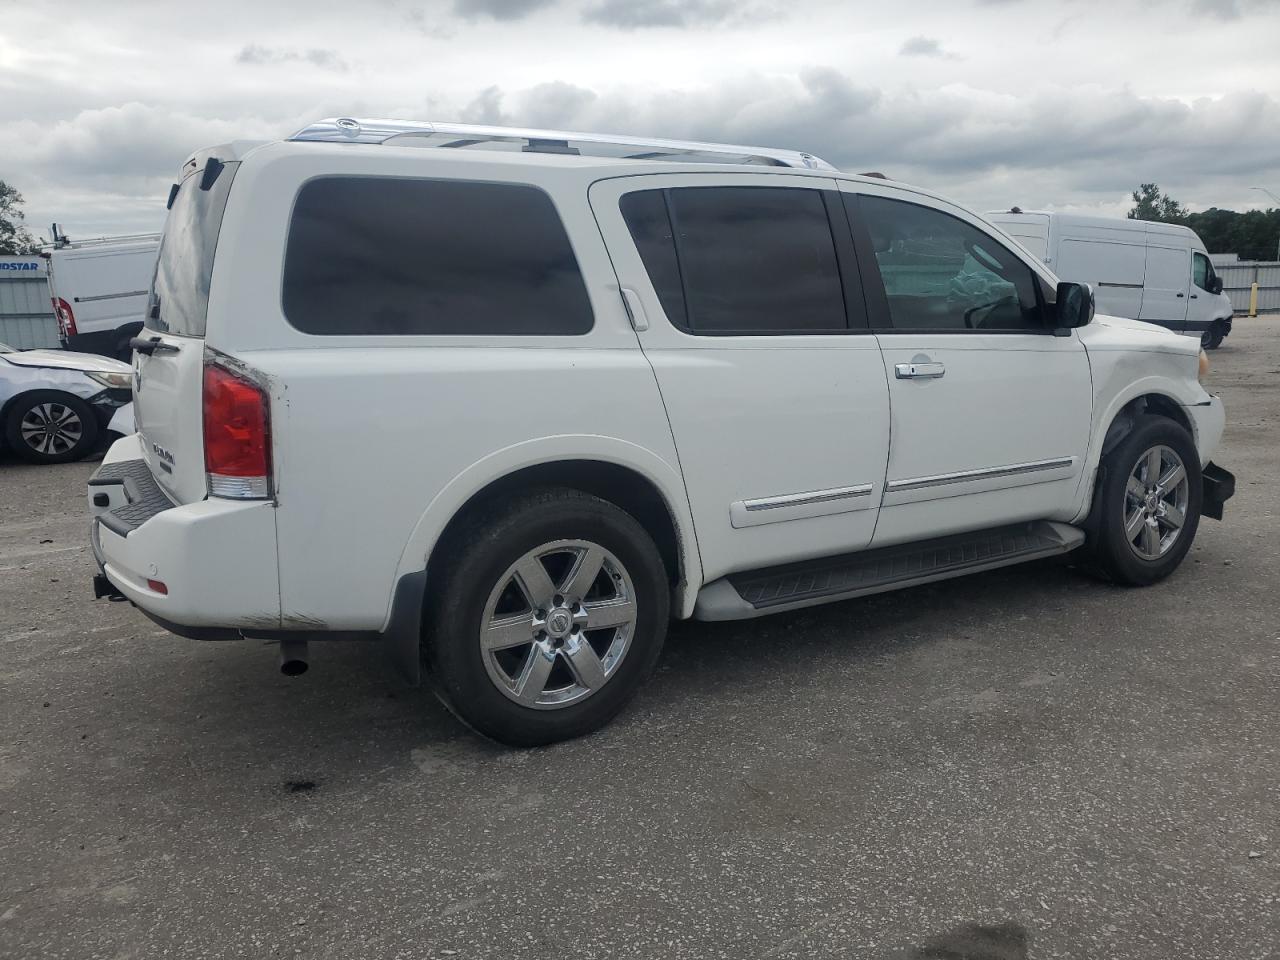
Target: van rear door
point(1164, 292)
point(169, 362)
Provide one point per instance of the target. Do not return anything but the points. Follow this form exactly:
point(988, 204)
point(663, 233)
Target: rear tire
point(49, 426)
point(1145, 516)
point(549, 614)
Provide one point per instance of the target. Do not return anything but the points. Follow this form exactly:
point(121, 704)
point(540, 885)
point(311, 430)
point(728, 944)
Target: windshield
point(180, 291)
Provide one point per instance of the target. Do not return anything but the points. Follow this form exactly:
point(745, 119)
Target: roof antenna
point(874, 173)
point(1015, 209)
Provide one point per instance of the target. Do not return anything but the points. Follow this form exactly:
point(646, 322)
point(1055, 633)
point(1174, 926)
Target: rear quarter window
point(374, 256)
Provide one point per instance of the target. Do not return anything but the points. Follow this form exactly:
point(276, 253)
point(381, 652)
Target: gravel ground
point(1086, 771)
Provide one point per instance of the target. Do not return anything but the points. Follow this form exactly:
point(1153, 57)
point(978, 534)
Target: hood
point(65, 360)
point(1121, 333)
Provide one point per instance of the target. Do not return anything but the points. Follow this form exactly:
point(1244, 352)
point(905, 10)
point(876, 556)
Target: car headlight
point(1204, 365)
point(117, 381)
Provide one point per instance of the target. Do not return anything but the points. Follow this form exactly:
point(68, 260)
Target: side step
point(755, 593)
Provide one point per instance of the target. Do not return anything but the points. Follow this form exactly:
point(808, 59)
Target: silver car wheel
point(1155, 502)
point(558, 624)
point(51, 428)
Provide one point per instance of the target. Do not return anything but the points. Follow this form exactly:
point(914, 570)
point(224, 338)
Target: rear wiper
point(150, 345)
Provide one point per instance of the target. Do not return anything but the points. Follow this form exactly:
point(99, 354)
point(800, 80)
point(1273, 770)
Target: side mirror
point(1074, 305)
point(1216, 285)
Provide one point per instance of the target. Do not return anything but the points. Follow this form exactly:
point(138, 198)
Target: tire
point(1154, 551)
point(76, 424)
point(1211, 339)
point(541, 677)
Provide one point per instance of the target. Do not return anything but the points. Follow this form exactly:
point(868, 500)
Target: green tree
point(13, 234)
point(1149, 203)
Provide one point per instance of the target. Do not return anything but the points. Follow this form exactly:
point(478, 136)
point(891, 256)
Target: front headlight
point(117, 381)
point(1204, 365)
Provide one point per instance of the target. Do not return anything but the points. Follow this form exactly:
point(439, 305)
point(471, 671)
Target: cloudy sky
point(1065, 105)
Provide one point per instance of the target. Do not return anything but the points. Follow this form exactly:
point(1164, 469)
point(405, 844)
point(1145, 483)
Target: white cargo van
point(1158, 272)
point(99, 290)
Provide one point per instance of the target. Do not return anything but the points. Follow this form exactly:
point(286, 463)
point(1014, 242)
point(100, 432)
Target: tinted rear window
point(740, 260)
point(179, 296)
point(376, 255)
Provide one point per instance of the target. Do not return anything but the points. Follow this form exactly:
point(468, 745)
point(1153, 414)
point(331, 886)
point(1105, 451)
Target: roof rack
point(471, 136)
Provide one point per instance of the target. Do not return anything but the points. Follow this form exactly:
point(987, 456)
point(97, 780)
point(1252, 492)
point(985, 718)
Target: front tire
point(550, 614)
point(1148, 503)
point(1211, 339)
point(48, 426)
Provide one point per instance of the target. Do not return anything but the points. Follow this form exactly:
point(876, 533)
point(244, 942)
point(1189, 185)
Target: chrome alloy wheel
point(51, 428)
point(1155, 502)
point(558, 623)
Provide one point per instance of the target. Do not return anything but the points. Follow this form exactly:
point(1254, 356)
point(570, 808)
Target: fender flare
point(1171, 390)
point(531, 453)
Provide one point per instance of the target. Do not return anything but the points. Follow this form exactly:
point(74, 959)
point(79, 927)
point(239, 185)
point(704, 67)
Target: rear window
point(740, 260)
point(179, 296)
point(377, 255)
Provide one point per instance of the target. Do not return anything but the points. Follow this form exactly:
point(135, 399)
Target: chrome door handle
point(919, 371)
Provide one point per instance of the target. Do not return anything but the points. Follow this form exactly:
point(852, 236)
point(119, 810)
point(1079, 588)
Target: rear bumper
point(1219, 487)
point(215, 558)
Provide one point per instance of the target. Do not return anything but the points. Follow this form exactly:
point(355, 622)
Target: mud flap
point(403, 637)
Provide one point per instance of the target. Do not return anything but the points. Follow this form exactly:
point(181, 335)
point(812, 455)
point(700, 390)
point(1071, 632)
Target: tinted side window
point(1201, 272)
point(645, 212)
point(940, 273)
point(756, 260)
point(376, 255)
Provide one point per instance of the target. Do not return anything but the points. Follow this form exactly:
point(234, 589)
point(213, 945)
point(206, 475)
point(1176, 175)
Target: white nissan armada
point(509, 400)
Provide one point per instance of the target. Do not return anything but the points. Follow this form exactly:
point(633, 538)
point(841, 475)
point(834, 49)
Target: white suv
point(511, 399)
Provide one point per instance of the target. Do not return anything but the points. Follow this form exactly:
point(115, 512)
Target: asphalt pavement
point(1024, 763)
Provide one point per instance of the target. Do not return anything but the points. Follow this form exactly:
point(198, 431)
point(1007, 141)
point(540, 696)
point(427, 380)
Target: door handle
point(1181, 295)
point(1195, 296)
point(919, 371)
point(635, 309)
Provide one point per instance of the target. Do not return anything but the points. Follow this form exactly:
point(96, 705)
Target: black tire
point(479, 558)
point(1211, 339)
point(74, 441)
point(1111, 552)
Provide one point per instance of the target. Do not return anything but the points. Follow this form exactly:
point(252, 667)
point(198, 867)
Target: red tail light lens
point(237, 436)
point(66, 319)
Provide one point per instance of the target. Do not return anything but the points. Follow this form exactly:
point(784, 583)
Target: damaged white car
point(55, 405)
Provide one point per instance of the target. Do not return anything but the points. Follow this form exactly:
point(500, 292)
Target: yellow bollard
point(1253, 299)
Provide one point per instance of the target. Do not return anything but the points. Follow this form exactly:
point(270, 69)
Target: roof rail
point(466, 135)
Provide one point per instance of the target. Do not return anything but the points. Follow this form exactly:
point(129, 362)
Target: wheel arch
point(1120, 418)
point(631, 477)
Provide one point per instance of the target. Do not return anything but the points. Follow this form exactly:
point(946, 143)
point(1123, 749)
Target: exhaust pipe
point(293, 657)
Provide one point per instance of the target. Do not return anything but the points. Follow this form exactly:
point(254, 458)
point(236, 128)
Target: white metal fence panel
point(26, 314)
point(1238, 280)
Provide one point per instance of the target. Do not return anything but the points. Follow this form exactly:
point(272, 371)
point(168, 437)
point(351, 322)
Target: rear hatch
point(169, 366)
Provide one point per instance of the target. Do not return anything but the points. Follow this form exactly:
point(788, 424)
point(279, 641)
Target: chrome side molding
point(801, 506)
point(991, 473)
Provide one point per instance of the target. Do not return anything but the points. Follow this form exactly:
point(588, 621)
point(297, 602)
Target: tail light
point(237, 436)
point(66, 319)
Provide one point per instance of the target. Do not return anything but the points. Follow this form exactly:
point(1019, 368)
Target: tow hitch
point(102, 587)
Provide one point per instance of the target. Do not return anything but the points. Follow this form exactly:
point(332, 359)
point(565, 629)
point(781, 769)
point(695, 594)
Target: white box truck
point(1158, 272)
point(99, 290)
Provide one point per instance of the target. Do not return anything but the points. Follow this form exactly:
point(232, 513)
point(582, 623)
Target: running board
point(755, 593)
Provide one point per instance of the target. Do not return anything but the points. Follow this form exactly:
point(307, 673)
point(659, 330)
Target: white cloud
point(1028, 116)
